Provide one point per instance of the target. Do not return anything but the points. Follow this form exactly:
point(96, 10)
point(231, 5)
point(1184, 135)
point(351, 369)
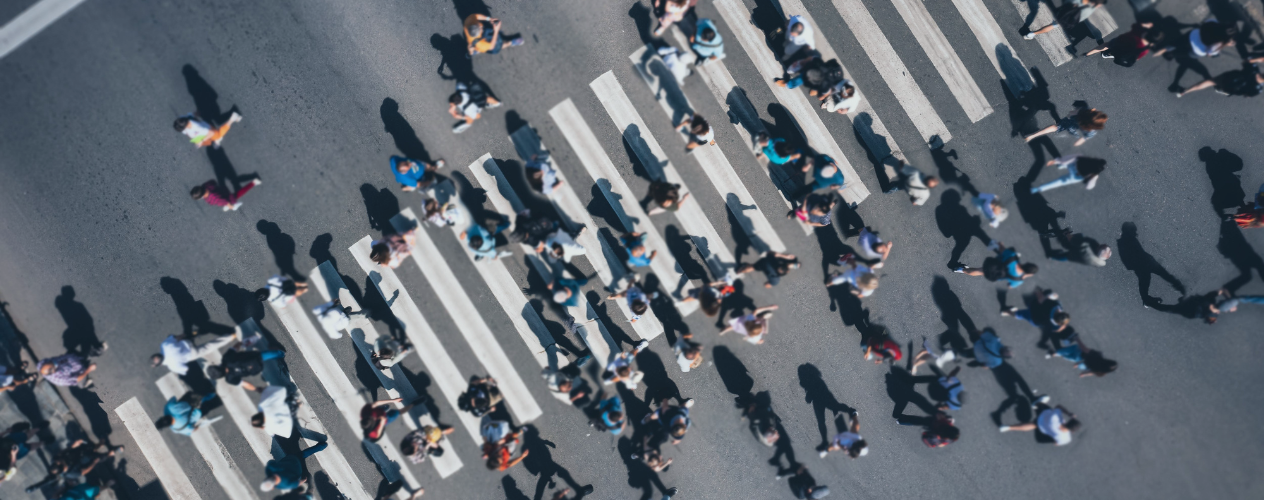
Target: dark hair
point(455, 98)
point(1089, 167)
point(1091, 119)
point(710, 303)
point(408, 446)
point(961, 398)
point(1214, 32)
point(476, 241)
point(215, 372)
point(623, 371)
point(698, 125)
point(615, 416)
point(854, 449)
point(1072, 425)
point(1097, 364)
point(380, 254)
point(708, 34)
point(1029, 268)
point(164, 422)
point(557, 248)
point(663, 191)
point(639, 306)
point(198, 192)
point(800, 26)
point(535, 177)
point(950, 432)
point(181, 122)
point(679, 429)
point(262, 294)
point(783, 148)
point(257, 420)
point(368, 423)
point(1061, 317)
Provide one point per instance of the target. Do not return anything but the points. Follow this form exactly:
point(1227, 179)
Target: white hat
point(267, 485)
point(829, 171)
point(864, 451)
point(560, 296)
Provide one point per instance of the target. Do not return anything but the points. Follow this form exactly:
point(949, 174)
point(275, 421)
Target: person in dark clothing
point(1077, 248)
point(1246, 82)
point(804, 486)
point(774, 265)
point(236, 365)
point(531, 229)
point(938, 431)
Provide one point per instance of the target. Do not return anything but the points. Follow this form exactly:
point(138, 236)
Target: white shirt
point(808, 37)
point(176, 355)
point(1050, 422)
point(569, 248)
point(276, 411)
point(275, 295)
point(915, 185)
point(867, 241)
point(196, 128)
point(332, 318)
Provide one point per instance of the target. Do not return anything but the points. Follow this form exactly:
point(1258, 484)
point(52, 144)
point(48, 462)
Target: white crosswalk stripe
point(207, 442)
point(439, 365)
point(155, 450)
point(1055, 42)
point(329, 283)
point(608, 266)
point(344, 395)
point(944, 58)
point(690, 216)
point(995, 46)
point(805, 114)
point(621, 198)
point(712, 160)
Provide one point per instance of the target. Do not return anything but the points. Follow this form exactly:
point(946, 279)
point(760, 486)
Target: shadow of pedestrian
point(817, 394)
point(1136, 259)
point(380, 206)
point(98, 418)
point(1233, 246)
point(242, 305)
point(80, 335)
point(681, 247)
point(954, 317)
point(902, 389)
point(1023, 109)
point(402, 132)
point(956, 222)
point(1222, 169)
point(511, 489)
point(659, 386)
point(192, 312)
point(949, 173)
point(467, 8)
point(282, 246)
point(453, 56)
point(640, 476)
point(733, 373)
point(644, 19)
point(540, 462)
point(320, 250)
point(1016, 389)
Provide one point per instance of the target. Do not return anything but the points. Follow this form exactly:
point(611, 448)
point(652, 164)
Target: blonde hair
point(867, 281)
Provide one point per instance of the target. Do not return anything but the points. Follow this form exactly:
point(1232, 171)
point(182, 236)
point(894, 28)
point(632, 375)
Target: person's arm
point(377, 430)
point(385, 402)
point(517, 460)
point(91, 368)
point(954, 372)
point(855, 422)
point(452, 110)
point(765, 309)
point(1256, 60)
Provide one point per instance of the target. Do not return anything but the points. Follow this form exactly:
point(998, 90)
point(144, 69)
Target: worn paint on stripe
point(155, 450)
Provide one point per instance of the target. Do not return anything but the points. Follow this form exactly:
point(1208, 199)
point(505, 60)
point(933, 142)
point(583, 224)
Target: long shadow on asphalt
point(954, 317)
point(1136, 259)
point(817, 394)
point(193, 313)
point(80, 335)
point(540, 462)
point(956, 222)
point(282, 246)
point(380, 205)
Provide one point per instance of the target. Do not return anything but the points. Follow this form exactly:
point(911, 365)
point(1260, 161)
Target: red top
point(215, 194)
point(378, 414)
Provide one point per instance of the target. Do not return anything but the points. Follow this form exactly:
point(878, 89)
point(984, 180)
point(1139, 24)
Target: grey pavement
point(102, 243)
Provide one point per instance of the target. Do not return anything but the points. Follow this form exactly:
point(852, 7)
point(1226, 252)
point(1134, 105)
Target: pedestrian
point(841, 98)
point(560, 246)
point(774, 265)
point(334, 318)
point(1047, 315)
point(880, 347)
point(184, 415)
point(804, 486)
point(201, 133)
point(1247, 81)
point(619, 368)
point(1074, 13)
point(424, 442)
point(947, 389)
point(815, 210)
point(638, 255)
point(447, 214)
point(281, 291)
point(653, 457)
point(710, 297)
point(483, 35)
point(393, 249)
point(674, 60)
point(861, 279)
point(799, 36)
point(665, 197)
point(389, 351)
point(814, 73)
point(12, 378)
point(83, 491)
point(541, 175)
point(483, 241)
point(825, 175)
point(988, 349)
point(374, 416)
point(67, 370)
point(561, 495)
point(610, 417)
point(16, 441)
point(707, 42)
point(1083, 123)
point(1006, 265)
point(1057, 423)
point(938, 431)
point(235, 365)
point(480, 397)
point(671, 419)
point(990, 206)
point(763, 420)
point(566, 291)
point(699, 131)
point(673, 12)
point(1208, 39)
point(177, 351)
point(872, 248)
point(1225, 302)
point(532, 229)
point(287, 473)
point(1079, 169)
point(276, 411)
point(638, 301)
point(215, 195)
point(467, 104)
point(414, 175)
point(776, 149)
point(914, 182)
point(73, 463)
point(688, 354)
point(568, 380)
point(1128, 48)
point(753, 326)
point(849, 440)
point(1090, 362)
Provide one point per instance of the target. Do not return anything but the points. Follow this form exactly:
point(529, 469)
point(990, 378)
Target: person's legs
point(312, 450)
point(232, 198)
point(212, 346)
point(1252, 299)
point(1042, 132)
point(1197, 86)
point(1025, 315)
point(1065, 180)
point(273, 354)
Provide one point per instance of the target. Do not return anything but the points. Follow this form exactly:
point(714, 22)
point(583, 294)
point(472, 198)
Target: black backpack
point(823, 76)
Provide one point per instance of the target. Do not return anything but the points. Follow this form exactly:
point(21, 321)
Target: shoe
point(461, 127)
point(236, 117)
point(689, 403)
point(1041, 400)
point(1003, 428)
point(1107, 56)
point(257, 181)
point(1221, 92)
point(672, 491)
point(1008, 311)
point(1052, 295)
point(1030, 35)
point(587, 490)
point(583, 361)
point(823, 453)
point(642, 344)
point(234, 206)
point(440, 163)
point(960, 269)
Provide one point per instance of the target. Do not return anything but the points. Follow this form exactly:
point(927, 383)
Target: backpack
point(993, 269)
point(821, 76)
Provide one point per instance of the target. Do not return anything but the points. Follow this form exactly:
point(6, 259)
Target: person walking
point(638, 301)
point(67, 370)
point(215, 195)
point(710, 297)
point(393, 249)
point(1057, 423)
point(1047, 315)
point(1079, 248)
point(11, 378)
point(699, 131)
point(388, 351)
point(619, 368)
point(1006, 265)
point(873, 249)
point(276, 411)
point(445, 215)
point(281, 291)
point(201, 133)
point(568, 380)
point(467, 104)
point(825, 175)
point(774, 265)
point(990, 206)
point(804, 486)
point(1083, 123)
point(861, 279)
point(1074, 13)
point(541, 175)
point(559, 245)
point(988, 349)
point(236, 365)
point(424, 442)
point(184, 415)
point(374, 416)
point(414, 175)
point(799, 36)
point(177, 351)
point(880, 347)
point(707, 42)
point(665, 197)
point(688, 354)
point(638, 255)
point(673, 12)
point(849, 440)
point(16, 444)
point(483, 241)
point(1128, 48)
point(776, 149)
point(671, 419)
point(1246, 81)
point(815, 210)
point(752, 327)
point(610, 417)
point(480, 397)
point(841, 98)
point(288, 473)
point(913, 181)
point(1079, 169)
point(566, 291)
point(938, 431)
point(1208, 39)
point(483, 35)
point(947, 388)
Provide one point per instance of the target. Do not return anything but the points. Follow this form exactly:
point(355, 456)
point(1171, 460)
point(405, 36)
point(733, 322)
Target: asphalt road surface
point(102, 243)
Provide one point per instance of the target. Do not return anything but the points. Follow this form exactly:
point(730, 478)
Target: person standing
point(671, 419)
point(638, 255)
point(215, 195)
point(201, 133)
point(707, 42)
point(849, 440)
point(413, 175)
point(276, 411)
point(287, 473)
point(1083, 123)
point(1057, 423)
point(177, 352)
point(913, 181)
point(483, 242)
point(483, 35)
point(183, 415)
point(1079, 169)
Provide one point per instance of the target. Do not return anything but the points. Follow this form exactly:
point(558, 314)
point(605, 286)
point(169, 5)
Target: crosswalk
point(454, 292)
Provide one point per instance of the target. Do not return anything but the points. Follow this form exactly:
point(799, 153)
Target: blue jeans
point(1251, 299)
point(795, 82)
point(273, 354)
point(314, 449)
point(1066, 180)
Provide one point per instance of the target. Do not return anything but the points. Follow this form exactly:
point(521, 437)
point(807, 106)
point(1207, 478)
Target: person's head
point(562, 295)
point(849, 90)
point(1061, 318)
point(859, 448)
point(1212, 33)
point(495, 460)
point(639, 307)
point(623, 372)
point(707, 34)
point(455, 98)
point(181, 123)
point(754, 328)
point(768, 430)
point(1072, 425)
point(198, 192)
point(784, 148)
point(1104, 252)
point(710, 303)
point(262, 294)
point(431, 206)
point(797, 29)
point(381, 254)
point(615, 416)
point(476, 241)
point(667, 195)
point(931, 181)
point(565, 385)
point(1089, 167)
point(698, 125)
point(1029, 269)
point(46, 368)
point(950, 433)
point(164, 422)
point(829, 170)
point(558, 251)
point(474, 30)
point(256, 420)
point(535, 177)
point(997, 207)
point(678, 430)
point(156, 360)
point(691, 352)
point(961, 398)
point(385, 353)
point(867, 281)
point(882, 247)
point(403, 166)
point(1091, 119)
point(368, 423)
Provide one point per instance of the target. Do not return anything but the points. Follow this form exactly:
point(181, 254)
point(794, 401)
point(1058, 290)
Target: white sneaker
point(1003, 428)
point(1030, 35)
point(689, 403)
point(1042, 400)
point(234, 206)
point(235, 118)
point(947, 357)
point(642, 344)
point(257, 181)
point(823, 453)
